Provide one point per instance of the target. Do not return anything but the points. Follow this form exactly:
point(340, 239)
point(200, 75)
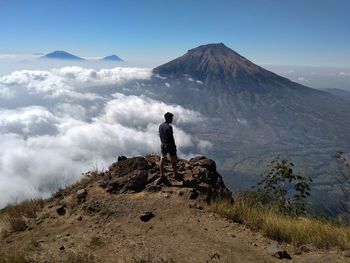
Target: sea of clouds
point(57, 123)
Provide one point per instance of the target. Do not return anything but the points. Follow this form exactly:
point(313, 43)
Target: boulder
point(120, 169)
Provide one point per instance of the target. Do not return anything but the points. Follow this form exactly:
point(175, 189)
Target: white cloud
point(54, 127)
point(343, 73)
point(6, 93)
point(138, 111)
point(118, 75)
point(242, 121)
point(34, 120)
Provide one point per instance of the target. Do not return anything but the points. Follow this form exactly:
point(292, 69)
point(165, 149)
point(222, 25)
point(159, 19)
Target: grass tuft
point(15, 215)
point(294, 230)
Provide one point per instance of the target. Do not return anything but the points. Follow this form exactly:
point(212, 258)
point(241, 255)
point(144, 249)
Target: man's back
point(166, 134)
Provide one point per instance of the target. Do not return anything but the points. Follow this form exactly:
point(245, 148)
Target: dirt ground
point(177, 232)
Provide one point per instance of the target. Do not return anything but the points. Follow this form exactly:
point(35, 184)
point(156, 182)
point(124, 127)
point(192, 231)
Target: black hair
point(168, 115)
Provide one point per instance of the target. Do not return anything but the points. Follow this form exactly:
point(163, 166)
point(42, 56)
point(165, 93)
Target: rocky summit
point(128, 214)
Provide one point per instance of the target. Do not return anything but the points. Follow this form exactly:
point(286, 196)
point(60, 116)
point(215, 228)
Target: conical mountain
point(253, 114)
point(218, 82)
point(218, 65)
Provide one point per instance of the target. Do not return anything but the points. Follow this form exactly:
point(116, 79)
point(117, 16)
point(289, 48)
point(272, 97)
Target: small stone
point(193, 194)
point(302, 249)
point(80, 218)
point(181, 193)
point(282, 254)
point(146, 216)
point(61, 210)
point(62, 248)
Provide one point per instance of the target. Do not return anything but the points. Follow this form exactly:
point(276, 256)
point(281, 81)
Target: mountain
point(252, 114)
point(62, 55)
point(343, 94)
point(112, 58)
point(214, 63)
point(219, 82)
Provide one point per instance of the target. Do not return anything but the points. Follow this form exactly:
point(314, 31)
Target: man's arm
point(170, 136)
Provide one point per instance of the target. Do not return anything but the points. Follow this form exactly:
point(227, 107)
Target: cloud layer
point(57, 123)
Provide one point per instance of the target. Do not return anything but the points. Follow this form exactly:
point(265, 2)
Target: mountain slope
point(102, 219)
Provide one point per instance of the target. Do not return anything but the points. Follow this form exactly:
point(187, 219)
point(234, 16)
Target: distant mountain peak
point(214, 62)
point(60, 54)
point(112, 58)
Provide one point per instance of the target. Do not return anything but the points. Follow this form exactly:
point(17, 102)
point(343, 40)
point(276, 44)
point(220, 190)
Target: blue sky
point(298, 32)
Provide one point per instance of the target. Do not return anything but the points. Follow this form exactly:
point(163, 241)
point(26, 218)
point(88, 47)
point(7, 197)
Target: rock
point(195, 205)
point(93, 207)
point(61, 210)
point(193, 194)
point(79, 218)
point(282, 254)
point(153, 188)
point(346, 253)
point(122, 158)
point(303, 249)
point(162, 181)
point(152, 177)
point(135, 181)
point(62, 248)
point(128, 166)
point(81, 195)
point(146, 216)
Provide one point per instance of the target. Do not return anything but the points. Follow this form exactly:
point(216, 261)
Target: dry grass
point(294, 230)
point(15, 216)
point(29, 257)
point(15, 258)
point(150, 259)
point(96, 242)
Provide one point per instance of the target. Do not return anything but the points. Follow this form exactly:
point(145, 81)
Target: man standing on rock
point(168, 145)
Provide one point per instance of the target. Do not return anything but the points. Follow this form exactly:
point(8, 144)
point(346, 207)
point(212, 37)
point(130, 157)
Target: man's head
point(168, 117)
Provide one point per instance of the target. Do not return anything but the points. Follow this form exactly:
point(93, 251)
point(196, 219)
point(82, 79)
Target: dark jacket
point(166, 134)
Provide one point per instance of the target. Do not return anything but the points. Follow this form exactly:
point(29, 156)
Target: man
point(168, 145)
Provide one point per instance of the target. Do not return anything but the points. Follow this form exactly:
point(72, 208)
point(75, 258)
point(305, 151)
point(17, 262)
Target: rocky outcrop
point(136, 174)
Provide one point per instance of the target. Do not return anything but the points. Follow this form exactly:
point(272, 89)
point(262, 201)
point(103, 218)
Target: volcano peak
point(213, 62)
